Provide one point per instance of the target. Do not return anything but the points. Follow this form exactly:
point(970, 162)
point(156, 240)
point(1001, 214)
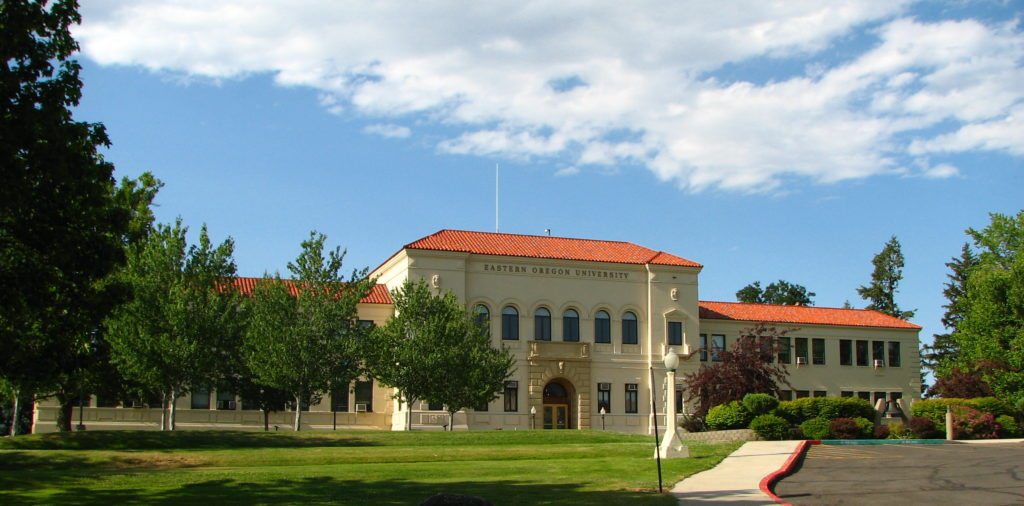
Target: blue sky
point(765, 141)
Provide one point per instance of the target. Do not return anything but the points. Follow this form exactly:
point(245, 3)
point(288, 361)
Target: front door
point(556, 416)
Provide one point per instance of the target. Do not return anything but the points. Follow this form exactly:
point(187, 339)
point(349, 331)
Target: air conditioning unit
point(879, 363)
point(361, 407)
point(631, 387)
point(801, 361)
point(604, 386)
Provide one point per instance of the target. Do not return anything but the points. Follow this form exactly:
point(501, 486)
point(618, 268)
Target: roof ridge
point(795, 305)
point(531, 235)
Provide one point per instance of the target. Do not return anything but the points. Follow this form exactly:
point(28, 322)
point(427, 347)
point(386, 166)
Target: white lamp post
point(533, 417)
point(603, 412)
point(669, 446)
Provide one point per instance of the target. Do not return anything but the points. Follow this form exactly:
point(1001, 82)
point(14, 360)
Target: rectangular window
point(785, 395)
point(862, 352)
point(364, 396)
point(510, 325)
point(846, 393)
point(820, 393)
point(845, 352)
point(339, 400)
point(717, 347)
point(435, 406)
point(679, 397)
point(201, 398)
point(675, 333)
point(703, 347)
point(511, 396)
point(878, 351)
point(225, 400)
point(818, 351)
point(632, 400)
point(801, 351)
point(604, 397)
point(864, 395)
point(366, 324)
point(785, 354)
point(800, 394)
point(879, 395)
point(894, 353)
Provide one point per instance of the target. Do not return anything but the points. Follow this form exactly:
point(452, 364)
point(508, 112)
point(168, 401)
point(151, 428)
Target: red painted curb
point(768, 482)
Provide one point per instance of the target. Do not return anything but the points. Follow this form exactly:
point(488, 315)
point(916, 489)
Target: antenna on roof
point(497, 196)
point(547, 231)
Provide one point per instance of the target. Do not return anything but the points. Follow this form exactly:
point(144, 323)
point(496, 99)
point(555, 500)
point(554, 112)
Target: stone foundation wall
point(720, 435)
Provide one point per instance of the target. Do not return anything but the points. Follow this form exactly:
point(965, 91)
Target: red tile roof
point(740, 311)
point(539, 246)
point(378, 294)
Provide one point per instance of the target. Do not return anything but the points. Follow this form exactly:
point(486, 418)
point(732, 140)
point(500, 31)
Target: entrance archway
point(558, 404)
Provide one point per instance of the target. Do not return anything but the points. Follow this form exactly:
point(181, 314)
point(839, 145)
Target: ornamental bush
point(897, 430)
point(731, 415)
point(935, 409)
point(830, 408)
point(969, 423)
point(865, 426)
point(759, 404)
point(882, 432)
point(845, 428)
point(923, 428)
point(1007, 426)
point(770, 427)
point(815, 428)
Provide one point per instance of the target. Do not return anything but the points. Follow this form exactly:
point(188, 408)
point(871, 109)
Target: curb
point(768, 482)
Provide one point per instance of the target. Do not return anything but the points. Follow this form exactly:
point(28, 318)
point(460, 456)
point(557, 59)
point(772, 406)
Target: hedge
point(935, 409)
point(759, 404)
point(829, 408)
point(816, 428)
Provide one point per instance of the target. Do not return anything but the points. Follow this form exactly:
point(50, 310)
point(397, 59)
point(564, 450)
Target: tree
point(59, 225)
point(748, 367)
point(944, 349)
point(434, 350)
point(960, 384)
point(885, 280)
point(990, 336)
point(168, 338)
point(780, 292)
point(304, 335)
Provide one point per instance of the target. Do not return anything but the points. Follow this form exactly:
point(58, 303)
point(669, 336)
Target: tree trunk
point(298, 413)
point(163, 411)
point(173, 409)
point(408, 414)
point(266, 420)
point(64, 415)
point(451, 421)
point(14, 419)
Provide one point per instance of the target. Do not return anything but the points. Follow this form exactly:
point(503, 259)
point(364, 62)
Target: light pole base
point(673, 448)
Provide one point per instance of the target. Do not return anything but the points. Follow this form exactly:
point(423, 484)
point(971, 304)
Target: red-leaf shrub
point(844, 428)
point(923, 428)
point(882, 432)
point(969, 423)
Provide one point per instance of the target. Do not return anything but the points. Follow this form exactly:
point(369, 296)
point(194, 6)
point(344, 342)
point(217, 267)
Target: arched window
point(482, 316)
point(629, 334)
point(602, 327)
point(570, 325)
point(510, 323)
point(542, 324)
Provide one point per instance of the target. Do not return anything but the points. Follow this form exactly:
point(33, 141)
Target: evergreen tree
point(780, 292)
point(304, 336)
point(885, 280)
point(434, 350)
point(943, 350)
point(59, 225)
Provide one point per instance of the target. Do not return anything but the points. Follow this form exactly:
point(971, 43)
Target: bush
point(1007, 426)
point(770, 427)
point(897, 430)
point(923, 428)
point(728, 416)
point(969, 423)
point(991, 405)
point(851, 428)
point(935, 409)
point(789, 411)
point(882, 432)
point(815, 428)
point(830, 408)
point(759, 404)
point(692, 423)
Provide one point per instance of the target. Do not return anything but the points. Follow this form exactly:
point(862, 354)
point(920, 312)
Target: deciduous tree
point(304, 334)
point(780, 292)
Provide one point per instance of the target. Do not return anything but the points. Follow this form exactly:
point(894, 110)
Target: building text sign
point(564, 272)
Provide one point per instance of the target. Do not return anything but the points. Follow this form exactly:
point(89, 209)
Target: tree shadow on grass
point(328, 490)
point(122, 440)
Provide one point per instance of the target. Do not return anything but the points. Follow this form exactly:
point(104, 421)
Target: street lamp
point(533, 417)
point(603, 412)
point(668, 450)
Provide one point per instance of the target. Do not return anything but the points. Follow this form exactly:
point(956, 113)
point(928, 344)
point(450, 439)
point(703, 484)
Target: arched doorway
point(558, 405)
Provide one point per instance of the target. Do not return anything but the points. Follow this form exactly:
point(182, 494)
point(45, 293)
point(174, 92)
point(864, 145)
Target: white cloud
point(567, 171)
point(389, 131)
point(640, 92)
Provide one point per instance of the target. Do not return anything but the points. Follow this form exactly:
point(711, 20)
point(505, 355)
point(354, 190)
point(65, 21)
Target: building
point(586, 321)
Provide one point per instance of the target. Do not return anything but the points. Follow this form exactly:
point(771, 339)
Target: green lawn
point(221, 467)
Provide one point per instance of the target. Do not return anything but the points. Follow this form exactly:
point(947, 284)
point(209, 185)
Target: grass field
point(221, 467)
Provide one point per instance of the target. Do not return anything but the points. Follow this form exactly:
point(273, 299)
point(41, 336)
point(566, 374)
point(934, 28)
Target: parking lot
point(908, 474)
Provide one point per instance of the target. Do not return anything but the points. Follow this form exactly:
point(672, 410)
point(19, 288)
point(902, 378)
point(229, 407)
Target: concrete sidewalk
point(736, 479)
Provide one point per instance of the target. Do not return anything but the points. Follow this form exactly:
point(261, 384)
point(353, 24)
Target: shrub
point(992, 405)
point(1007, 426)
point(923, 428)
point(830, 408)
point(789, 411)
point(815, 428)
point(969, 423)
point(728, 416)
point(897, 430)
point(935, 409)
point(883, 432)
point(770, 427)
point(692, 423)
point(851, 428)
point(759, 404)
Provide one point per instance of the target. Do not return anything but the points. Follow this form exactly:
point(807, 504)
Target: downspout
point(650, 346)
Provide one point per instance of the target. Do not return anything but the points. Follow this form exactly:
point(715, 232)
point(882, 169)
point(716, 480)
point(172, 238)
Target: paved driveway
point(908, 474)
